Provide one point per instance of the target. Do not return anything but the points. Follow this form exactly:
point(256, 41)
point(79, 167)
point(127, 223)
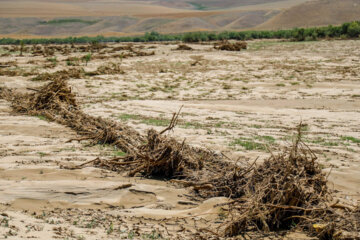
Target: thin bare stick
point(173, 121)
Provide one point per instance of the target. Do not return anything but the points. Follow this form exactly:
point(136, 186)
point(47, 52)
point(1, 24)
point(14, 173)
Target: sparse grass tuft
point(226, 86)
point(119, 153)
point(156, 122)
point(351, 139)
point(67, 21)
point(153, 235)
point(268, 139)
point(248, 144)
point(41, 117)
point(126, 117)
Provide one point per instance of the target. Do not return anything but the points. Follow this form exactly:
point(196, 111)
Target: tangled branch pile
point(228, 46)
point(57, 103)
point(159, 156)
point(287, 190)
point(279, 193)
point(162, 156)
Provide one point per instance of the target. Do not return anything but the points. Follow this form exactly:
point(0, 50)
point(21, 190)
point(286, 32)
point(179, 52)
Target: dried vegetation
point(287, 191)
point(183, 47)
point(228, 46)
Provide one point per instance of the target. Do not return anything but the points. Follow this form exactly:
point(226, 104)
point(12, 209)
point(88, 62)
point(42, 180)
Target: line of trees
point(345, 31)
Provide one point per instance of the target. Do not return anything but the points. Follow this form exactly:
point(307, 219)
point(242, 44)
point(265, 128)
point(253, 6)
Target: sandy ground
point(233, 102)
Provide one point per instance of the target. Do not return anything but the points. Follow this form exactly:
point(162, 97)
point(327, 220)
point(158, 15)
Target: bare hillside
point(91, 17)
point(315, 13)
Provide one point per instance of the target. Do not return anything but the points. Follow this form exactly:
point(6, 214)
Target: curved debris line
point(286, 192)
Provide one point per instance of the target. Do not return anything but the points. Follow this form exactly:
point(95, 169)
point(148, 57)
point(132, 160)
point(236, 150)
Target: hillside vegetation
point(344, 31)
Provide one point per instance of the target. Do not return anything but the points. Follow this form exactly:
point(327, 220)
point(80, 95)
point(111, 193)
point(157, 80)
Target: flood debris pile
point(130, 51)
point(289, 191)
point(228, 46)
point(165, 157)
point(183, 47)
point(76, 73)
point(161, 156)
point(56, 102)
point(286, 191)
point(128, 47)
point(9, 72)
point(155, 155)
point(110, 69)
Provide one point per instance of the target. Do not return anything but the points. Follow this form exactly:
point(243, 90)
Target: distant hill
point(93, 17)
point(315, 13)
point(131, 24)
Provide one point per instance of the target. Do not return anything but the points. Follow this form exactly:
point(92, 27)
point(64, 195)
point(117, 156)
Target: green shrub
point(346, 30)
point(87, 58)
point(353, 29)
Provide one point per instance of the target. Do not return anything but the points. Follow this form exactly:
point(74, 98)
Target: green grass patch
point(194, 125)
point(68, 20)
point(119, 154)
point(156, 122)
point(42, 154)
point(305, 128)
point(260, 45)
point(198, 6)
point(268, 139)
point(248, 144)
point(219, 124)
point(351, 139)
point(153, 235)
point(126, 117)
point(322, 141)
point(41, 117)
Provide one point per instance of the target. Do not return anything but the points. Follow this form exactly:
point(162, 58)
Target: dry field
point(240, 105)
